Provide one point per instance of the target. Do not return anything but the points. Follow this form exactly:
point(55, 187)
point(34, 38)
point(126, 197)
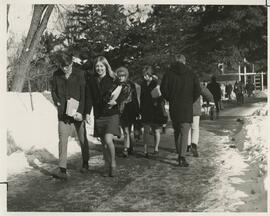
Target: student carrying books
point(68, 93)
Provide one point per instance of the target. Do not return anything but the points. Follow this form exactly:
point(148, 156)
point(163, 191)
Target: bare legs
point(109, 151)
point(156, 139)
point(146, 138)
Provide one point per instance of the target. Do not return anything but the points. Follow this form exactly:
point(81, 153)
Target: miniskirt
point(107, 124)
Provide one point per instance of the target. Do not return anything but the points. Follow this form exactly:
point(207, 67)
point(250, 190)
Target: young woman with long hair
point(106, 113)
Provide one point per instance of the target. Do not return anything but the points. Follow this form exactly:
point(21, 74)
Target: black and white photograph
point(139, 107)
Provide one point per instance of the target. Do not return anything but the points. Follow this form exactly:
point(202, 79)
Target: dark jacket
point(131, 106)
point(215, 89)
point(96, 94)
point(181, 88)
point(147, 107)
point(197, 106)
point(64, 89)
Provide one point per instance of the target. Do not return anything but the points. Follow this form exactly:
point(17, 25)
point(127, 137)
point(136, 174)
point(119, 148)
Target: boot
point(125, 152)
point(194, 150)
point(182, 162)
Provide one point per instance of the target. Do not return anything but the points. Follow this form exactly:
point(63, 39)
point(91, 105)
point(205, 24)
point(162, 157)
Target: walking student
point(101, 96)
point(194, 132)
point(129, 109)
point(149, 105)
point(181, 88)
point(215, 89)
point(239, 92)
point(69, 84)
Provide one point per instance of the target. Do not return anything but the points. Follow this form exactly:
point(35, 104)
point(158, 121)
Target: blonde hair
point(105, 62)
point(180, 58)
point(123, 70)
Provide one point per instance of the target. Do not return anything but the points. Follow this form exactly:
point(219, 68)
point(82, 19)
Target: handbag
point(161, 116)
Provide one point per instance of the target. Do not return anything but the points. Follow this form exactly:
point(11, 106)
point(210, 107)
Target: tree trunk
point(8, 7)
point(39, 22)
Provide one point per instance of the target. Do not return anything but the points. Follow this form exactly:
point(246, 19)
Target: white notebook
point(72, 106)
point(116, 92)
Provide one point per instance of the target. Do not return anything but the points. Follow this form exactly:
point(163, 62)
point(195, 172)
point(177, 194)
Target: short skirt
point(107, 124)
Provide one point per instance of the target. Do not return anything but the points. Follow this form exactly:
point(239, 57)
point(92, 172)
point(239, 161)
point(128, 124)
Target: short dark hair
point(213, 78)
point(63, 59)
point(147, 70)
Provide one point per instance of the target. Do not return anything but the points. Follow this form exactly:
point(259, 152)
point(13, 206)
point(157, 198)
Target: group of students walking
point(117, 102)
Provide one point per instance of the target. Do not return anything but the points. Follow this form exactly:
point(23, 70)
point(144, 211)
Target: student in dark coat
point(215, 89)
point(69, 82)
point(148, 108)
point(181, 88)
point(99, 89)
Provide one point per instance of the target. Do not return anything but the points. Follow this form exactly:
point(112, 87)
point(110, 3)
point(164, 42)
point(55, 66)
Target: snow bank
point(253, 138)
point(33, 130)
point(17, 162)
point(261, 94)
point(37, 129)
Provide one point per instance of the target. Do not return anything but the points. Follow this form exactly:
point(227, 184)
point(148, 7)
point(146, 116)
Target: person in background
point(250, 88)
point(100, 87)
point(239, 92)
point(215, 90)
point(229, 89)
point(223, 94)
point(129, 110)
point(181, 88)
point(69, 83)
point(195, 126)
point(147, 110)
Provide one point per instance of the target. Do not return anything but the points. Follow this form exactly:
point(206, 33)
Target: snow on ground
point(32, 128)
point(30, 131)
point(241, 180)
point(253, 139)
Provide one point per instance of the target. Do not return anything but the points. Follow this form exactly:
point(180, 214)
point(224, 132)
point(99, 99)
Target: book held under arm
point(155, 93)
point(116, 92)
point(72, 106)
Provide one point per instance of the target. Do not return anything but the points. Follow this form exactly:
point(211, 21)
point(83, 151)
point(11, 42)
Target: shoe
point(155, 152)
point(84, 169)
point(146, 155)
point(59, 175)
point(112, 171)
point(125, 153)
point(182, 162)
point(194, 150)
point(188, 148)
point(130, 150)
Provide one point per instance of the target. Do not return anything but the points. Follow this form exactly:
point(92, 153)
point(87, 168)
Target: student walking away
point(239, 92)
point(193, 136)
point(229, 89)
point(151, 109)
point(215, 89)
point(250, 88)
point(181, 88)
point(68, 93)
point(103, 93)
point(129, 108)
